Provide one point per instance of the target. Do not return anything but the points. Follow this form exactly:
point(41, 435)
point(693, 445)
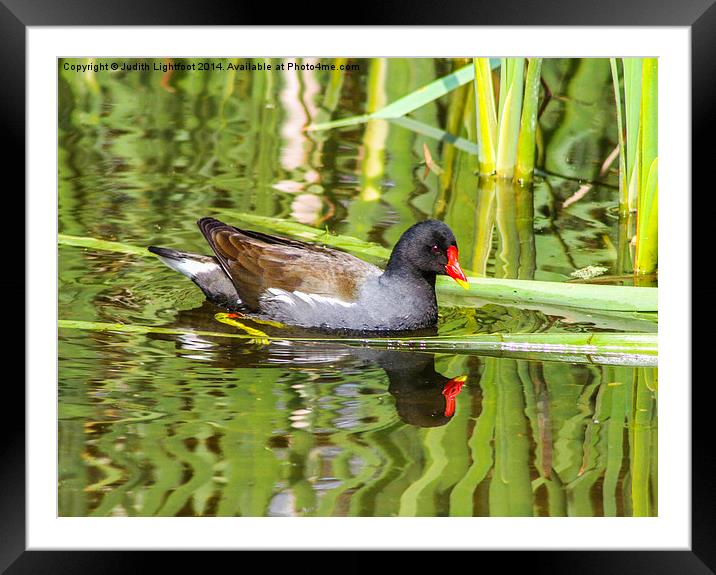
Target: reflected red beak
point(453, 268)
point(450, 391)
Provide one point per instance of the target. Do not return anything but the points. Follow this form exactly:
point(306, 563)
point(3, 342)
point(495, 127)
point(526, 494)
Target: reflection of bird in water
point(423, 397)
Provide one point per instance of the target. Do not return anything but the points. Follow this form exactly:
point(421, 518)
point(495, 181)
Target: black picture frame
point(17, 15)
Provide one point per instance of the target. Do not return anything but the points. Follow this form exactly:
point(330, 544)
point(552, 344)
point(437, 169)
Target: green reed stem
point(507, 260)
point(632, 106)
point(526, 146)
point(649, 120)
point(647, 212)
point(638, 162)
point(484, 224)
point(524, 221)
point(623, 194)
point(512, 80)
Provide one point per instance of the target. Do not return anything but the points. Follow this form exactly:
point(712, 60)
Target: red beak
point(450, 391)
point(453, 268)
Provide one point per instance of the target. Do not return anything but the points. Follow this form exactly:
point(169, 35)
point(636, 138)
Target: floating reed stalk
point(573, 295)
point(601, 348)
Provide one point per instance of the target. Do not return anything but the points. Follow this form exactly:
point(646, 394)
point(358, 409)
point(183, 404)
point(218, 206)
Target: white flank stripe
point(191, 268)
point(315, 298)
point(309, 298)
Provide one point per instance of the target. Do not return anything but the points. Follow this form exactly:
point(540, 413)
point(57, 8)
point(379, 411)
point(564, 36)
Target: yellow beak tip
point(463, 284)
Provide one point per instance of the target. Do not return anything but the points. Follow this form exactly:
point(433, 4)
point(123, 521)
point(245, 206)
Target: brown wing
point(256, 262)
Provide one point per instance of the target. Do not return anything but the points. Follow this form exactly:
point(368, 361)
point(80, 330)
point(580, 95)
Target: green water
point(159, 424)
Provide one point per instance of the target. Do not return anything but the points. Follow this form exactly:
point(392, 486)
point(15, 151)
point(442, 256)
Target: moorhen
point(312, 286)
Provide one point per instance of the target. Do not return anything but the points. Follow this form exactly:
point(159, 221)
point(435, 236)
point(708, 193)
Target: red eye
point(436, 250)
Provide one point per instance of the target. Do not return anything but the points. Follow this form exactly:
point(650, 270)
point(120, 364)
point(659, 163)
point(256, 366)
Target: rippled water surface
point(178, 423)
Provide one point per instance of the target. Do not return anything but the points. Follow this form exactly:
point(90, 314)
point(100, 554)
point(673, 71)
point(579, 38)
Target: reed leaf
point(484, 224)
point(102, 245)
point(647, 212)
point(649, 119)
point(486, 116)
point(408, 103)
point(436, 134)
point(506, 70)
point(510, 116)
point(647, 246)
